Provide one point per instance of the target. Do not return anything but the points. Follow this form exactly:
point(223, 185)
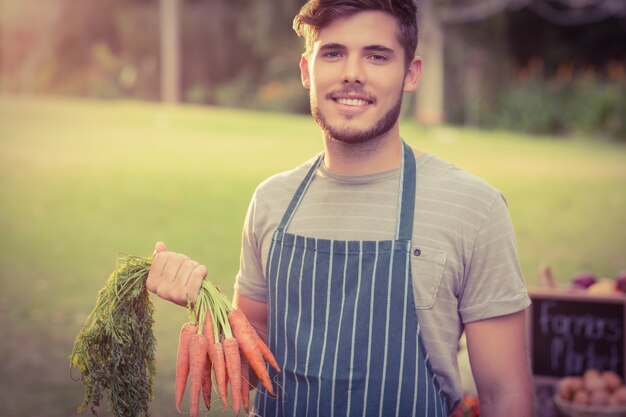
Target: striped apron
point(343, 324)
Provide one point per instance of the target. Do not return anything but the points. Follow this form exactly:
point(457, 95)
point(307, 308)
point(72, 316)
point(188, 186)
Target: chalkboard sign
point(572, 332)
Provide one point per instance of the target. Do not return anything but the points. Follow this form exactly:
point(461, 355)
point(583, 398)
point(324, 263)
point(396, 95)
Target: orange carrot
point(207, 383)
point(241, 320)
point(219, 368)
point(182, 361)
point(233, 367)
point(265, 350)
point(245, 384)
point(197, 362)
point(249, 344)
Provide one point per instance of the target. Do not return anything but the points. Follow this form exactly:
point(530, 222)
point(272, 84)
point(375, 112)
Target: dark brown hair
point(317, 14)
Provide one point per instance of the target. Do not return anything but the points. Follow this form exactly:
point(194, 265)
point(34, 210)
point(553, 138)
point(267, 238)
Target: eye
point(332, 55)
point(377, 58)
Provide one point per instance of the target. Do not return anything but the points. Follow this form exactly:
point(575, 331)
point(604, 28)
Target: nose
point(353, 70)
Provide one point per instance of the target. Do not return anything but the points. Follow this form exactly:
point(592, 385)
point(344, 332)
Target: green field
point(81, 181)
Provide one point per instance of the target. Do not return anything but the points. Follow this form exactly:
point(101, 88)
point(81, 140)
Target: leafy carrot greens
point(114, 350)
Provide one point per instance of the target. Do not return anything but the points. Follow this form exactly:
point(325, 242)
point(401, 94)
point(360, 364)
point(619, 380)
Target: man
point(363, 266)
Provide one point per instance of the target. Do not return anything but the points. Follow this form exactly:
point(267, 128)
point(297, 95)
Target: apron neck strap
point(297, 197)
point(406, 196)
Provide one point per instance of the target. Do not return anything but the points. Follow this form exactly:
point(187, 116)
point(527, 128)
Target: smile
point(352, 101)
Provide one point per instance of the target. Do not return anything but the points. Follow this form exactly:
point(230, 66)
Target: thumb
point(159, 247)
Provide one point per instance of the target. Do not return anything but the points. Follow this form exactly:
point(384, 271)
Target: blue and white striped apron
point(343, 325)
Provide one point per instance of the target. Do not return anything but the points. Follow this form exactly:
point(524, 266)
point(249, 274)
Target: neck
point(377, 155)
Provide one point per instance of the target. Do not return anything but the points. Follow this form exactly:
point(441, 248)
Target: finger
point(179, 286)
point(194, 282)
point(159, 247)
point(168, 281)
point(156, 270)
point(188, 282)
point(174, 262)
point(168, 291)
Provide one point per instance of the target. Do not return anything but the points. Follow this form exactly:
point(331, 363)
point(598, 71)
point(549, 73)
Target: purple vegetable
point(584, 280)
point(620, 281)
point(576, 287)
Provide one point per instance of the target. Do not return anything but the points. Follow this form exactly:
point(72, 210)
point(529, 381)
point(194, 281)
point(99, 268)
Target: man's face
point(356, 74)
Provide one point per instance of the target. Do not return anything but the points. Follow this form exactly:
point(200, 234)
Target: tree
point(430, 109)
point(170, 50)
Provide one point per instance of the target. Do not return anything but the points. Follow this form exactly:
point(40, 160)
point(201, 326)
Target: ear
point(413, 75)
point(304, 72)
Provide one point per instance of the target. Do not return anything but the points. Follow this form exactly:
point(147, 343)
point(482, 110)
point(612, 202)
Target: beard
point(353, 135)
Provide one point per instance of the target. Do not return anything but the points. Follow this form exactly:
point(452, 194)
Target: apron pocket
point(427, 266)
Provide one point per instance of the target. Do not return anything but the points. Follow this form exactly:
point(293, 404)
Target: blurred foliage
point(518, 72)
point(566, 103)
point(109, 49)
point(239, 53)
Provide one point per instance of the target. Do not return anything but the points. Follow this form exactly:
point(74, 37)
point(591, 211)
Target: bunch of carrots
point(220, 340)
point(114, 349)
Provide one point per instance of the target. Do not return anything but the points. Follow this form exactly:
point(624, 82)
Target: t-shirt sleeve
point(250, 280)
point(494, 284)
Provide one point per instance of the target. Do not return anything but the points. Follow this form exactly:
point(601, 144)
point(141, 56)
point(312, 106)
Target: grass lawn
point(81, 181)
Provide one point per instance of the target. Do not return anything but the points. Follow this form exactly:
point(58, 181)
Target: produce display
point(591, 284)
point(594, 389)
point(586, 282)
point(114, 350)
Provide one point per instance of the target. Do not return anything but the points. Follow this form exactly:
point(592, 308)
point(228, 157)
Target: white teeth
point(352, 101)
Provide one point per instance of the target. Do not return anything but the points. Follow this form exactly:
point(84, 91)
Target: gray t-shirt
point(467, 269)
